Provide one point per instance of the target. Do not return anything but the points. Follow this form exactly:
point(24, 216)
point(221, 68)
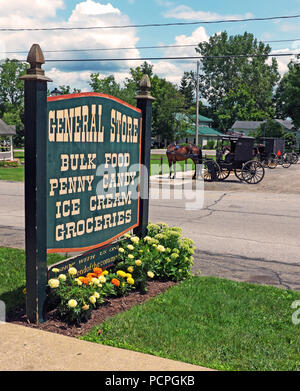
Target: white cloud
point(87, 13)
point(23, 9)
point(187, 13)
point(91, 8)
point(173, 71)
point(198, 35)
point(283, 61)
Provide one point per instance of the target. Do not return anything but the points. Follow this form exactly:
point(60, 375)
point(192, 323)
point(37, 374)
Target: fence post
point(144, 102)
point(35, 184)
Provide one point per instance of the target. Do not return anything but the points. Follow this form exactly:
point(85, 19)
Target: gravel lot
point(278, 180)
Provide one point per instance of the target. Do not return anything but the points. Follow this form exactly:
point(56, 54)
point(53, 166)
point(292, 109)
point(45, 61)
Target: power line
point(150, 24)
point(282, 40)
point(133, 48)
point(172, 58)
point(107, 49)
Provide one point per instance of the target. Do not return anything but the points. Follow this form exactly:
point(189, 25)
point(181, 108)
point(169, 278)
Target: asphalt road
point(241, 232)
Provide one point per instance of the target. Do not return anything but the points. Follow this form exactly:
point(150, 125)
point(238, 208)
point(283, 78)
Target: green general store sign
point(93, 171)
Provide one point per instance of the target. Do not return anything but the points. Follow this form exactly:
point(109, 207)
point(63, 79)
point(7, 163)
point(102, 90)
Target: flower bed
point(162, 255)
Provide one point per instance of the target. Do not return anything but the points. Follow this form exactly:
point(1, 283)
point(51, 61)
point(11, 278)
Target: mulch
point(108, 309)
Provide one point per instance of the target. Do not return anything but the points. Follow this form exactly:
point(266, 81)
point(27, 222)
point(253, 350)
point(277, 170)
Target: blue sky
point(67, 13)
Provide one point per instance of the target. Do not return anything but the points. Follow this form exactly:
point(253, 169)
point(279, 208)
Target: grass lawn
point(17, 174)
point(12, 275)
point(212, 322)
point(180, 166)
point(12, 174)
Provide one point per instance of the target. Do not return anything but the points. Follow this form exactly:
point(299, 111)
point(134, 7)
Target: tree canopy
point(168, 99)
point(288, 94)
point(237, 88)
point(12, 96)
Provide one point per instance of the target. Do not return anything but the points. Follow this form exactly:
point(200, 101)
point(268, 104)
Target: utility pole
point(197, 103)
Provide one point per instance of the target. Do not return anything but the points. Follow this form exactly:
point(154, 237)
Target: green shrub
point(162, 252)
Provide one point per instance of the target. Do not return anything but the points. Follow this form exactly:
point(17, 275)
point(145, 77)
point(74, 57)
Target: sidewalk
point(27, 349)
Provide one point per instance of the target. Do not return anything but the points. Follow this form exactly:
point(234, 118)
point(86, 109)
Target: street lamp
point(55, 92)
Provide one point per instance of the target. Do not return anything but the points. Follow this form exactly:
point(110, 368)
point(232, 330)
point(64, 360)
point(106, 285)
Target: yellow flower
point(130, 256)
point(161, 248)
point(96, 294)
point(95, 281)
point(135, 239)
point(102, 279)
point(53, 283)
point(72, 303)
point(150, 274)
point(128, 275)
point(121, 250)
point(79, 283)
point(55, 270)
point(130, 247)
point(105, 273)
point(85, 307)
point(120, 273)
point(130, 281)
point(72, 271)
point(130, 269)
point(62, 277)
point(138, 262)
point(92, 299)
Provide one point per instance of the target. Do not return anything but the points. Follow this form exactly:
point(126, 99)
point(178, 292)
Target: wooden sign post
point(87, 163)
point(35, 185)
point(144, 102)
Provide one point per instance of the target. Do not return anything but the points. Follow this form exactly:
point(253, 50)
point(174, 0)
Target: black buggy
point(234, 153)
point(270, 152)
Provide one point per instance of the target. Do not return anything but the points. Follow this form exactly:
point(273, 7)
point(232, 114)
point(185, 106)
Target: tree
point(12, 96)
point(187, 88)
point(181, 124)
point(290, 141)
point(270, 128)
point(108, 85)
point(66, 89)
point(288, 94)
point(168, 100)
point(237, 88)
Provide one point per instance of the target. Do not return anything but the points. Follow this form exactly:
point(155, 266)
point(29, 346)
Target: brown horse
point(179, 153)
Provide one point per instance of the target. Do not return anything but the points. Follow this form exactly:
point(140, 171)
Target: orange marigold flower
point(115, 282)
point(86, 280)
point(81, 278)
point(98, 271)
point(91, 275)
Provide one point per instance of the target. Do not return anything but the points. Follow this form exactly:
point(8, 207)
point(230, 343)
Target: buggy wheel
point(272, 161)
point(238, 174)
point(223, 173)
point(253, 172)
point(210, 170)
point(295, 158)
point(286, 161)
